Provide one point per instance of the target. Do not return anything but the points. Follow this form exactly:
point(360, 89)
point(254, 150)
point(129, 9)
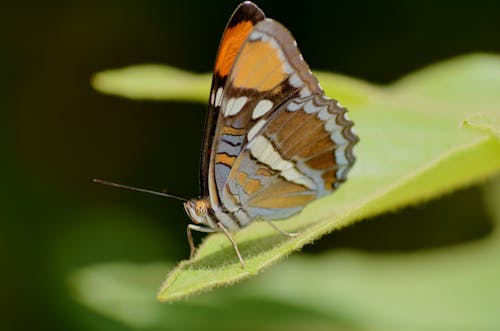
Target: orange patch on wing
point(282, 194)
point(249, 185)
point(259, 67)
point(330, 177)
point(242, 177)
point(230, 46)
point(225, 159)
point(233, 131)
point(286, 187)
point(283, 201)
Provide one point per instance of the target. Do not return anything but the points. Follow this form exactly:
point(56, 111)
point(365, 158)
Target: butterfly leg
point(190, 236)
point(228, 235)
point(289, 234)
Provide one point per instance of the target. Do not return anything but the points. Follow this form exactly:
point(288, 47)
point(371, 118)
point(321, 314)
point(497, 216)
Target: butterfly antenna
point(143, 190)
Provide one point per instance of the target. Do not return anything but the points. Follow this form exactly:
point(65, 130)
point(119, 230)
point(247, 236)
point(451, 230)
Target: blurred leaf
point(412, 148)
point(451, 288)
point(152, 81)
point(125, 292)
point(471, 79)
point(121, 291)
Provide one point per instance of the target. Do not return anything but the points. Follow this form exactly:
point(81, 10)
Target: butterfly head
point(197, 210)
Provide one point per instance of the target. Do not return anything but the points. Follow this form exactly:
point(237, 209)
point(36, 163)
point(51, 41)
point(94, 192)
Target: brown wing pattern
point(303, 152)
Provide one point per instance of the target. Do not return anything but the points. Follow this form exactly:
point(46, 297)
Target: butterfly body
point(273, 141)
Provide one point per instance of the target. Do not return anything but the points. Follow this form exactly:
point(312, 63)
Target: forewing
point(237, 30)
point(267, 72)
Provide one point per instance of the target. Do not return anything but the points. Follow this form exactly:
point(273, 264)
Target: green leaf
point(472, 80)
point(124, 292)
point(413, 148)
point(120, 290)
point(450, 288)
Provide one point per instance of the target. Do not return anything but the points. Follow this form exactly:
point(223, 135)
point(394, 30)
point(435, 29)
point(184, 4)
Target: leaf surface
point(413, 147)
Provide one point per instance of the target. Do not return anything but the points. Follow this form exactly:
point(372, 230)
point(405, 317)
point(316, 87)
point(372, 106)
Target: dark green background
point(57, 133)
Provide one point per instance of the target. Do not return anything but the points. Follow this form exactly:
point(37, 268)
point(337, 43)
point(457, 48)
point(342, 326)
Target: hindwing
point(303, 152)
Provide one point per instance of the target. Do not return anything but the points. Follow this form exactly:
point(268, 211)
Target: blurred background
point(58, 133)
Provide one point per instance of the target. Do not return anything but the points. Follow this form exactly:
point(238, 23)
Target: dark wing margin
point(238, 28)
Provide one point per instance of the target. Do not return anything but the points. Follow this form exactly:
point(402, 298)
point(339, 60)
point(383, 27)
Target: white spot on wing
point(262, 108)
point(340, 157)
point(255, 129)
point(305, 92)
point(258, 146)
point(310, 108)
point(269, 155)
point(281, 164)
point(295, 176)
point(287, 67)
point(255, 35)
point(295, 81)
point(324, 114)
point(338, 138)
point(331, 125)
point(218, 97)
point(292, 106)
point(234, 106)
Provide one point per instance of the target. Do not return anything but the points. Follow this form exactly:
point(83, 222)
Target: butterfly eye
point(200, 208)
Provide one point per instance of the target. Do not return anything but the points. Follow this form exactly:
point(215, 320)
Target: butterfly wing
point(267, 72)
point(303, 152)
point(297, 148)
point(238, 28)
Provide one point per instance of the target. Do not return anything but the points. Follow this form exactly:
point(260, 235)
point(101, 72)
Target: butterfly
point(273, 141)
